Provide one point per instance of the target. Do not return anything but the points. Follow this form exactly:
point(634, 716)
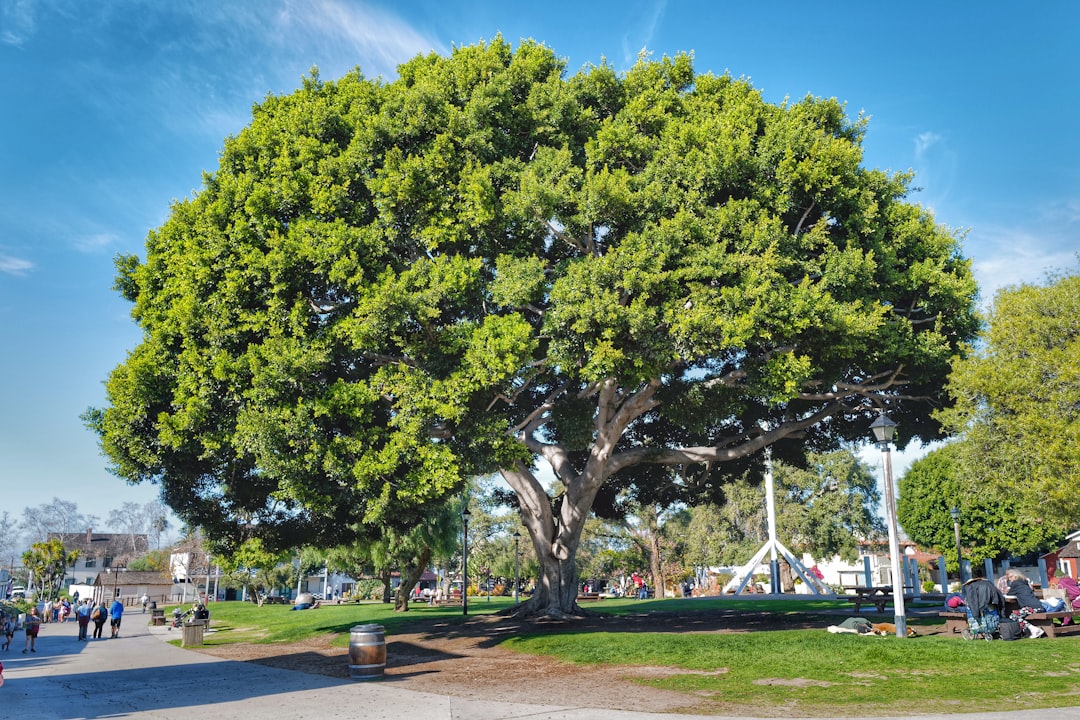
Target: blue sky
point(110, 110)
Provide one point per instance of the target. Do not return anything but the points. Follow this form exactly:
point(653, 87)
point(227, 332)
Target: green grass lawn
point(805, 672)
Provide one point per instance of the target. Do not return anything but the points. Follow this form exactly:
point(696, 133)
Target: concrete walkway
point(142, 677)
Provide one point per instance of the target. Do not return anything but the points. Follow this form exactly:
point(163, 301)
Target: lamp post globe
point(883, 429)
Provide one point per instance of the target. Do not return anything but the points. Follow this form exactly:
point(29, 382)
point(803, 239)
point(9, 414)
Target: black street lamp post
point(883, 429)
point(955, 512)
point(465, 561)
point(115, 572)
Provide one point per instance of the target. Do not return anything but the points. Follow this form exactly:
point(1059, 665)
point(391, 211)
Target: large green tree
point(993, 523)
point(486, 264)
point(1017, 404)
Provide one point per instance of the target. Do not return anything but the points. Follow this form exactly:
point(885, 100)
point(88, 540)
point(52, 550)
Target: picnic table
point(881, 595)
point(877, 595)
point(956, 621)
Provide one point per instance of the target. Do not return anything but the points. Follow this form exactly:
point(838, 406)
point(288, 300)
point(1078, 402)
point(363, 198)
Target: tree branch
point(717, 453)
point(806, 213)
point(381, 359)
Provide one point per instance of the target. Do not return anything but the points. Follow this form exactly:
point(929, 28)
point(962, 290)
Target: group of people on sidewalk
point(86, 612)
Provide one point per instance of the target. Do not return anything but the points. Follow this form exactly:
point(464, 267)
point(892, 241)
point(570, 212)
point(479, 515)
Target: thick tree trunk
point(254, 594)
point(787, 577)
point(410, 575)
point(656, 565)
point(555, 540)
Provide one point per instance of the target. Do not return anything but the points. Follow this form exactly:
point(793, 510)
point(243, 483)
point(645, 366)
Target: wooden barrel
point(367, 652)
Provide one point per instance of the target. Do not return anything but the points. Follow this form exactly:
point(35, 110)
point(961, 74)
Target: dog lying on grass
point(862, 626)
point(890, 629)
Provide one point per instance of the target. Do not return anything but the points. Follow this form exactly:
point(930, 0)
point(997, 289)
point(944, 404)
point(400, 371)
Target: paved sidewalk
point(141, 676)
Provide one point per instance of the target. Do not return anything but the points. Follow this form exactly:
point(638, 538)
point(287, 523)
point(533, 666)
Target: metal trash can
point(367, 652)
point(192, 633)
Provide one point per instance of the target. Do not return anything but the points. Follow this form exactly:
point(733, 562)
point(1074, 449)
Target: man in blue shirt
point(116, 612)
point(82, 616)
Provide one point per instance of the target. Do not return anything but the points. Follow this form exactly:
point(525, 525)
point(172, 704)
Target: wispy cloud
point(14, 266)
point(1027, 251)
point(368, 36)
point(936, 167)
point(95, 242)
point(923, 142)
point(224, 58)
point(643, 34)
point(16, 21)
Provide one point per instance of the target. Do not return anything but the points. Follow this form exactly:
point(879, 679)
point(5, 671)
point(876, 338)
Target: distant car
point(18, 593)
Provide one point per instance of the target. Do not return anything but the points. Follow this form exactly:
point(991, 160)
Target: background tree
point(1018, 405)
point(190, 558)
point(673, 552)
point(47, 563)
point(133, 519)
point(992, 522)
point(307, 562)
point(386, 287)
point(155, 560)
point(58, 516)
point(829, 507)
point(410, 551)
point(10, 537)
point(257, 569)
point(644, 527)
point(607, 551)
point(707, 538)
point(825, 509)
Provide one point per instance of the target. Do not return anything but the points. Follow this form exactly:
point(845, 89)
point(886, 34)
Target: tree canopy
point(487, 264)
point(993, 522)
point(1017, 405)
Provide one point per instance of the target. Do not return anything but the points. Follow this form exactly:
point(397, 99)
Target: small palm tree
point(48, 561)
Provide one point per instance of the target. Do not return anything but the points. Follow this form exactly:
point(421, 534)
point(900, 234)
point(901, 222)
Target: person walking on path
point(33, 624)
point(99, 615)
point(116, 613)
point(82, 616)
point(10, 623)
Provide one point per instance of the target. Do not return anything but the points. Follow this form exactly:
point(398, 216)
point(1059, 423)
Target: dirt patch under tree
point(466, 659)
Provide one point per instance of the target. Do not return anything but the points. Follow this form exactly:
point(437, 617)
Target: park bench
point(589, 597)
point(956, 622)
